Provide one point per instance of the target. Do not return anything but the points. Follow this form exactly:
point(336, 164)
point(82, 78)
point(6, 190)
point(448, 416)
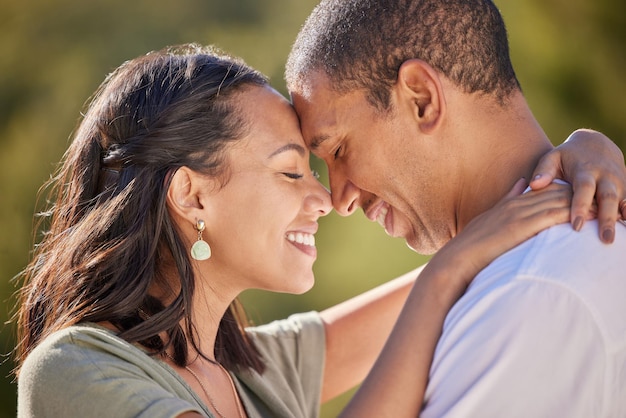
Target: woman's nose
point(319, 200)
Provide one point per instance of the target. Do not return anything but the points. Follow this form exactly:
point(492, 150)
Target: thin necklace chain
point(144, 315)
point(206, 392)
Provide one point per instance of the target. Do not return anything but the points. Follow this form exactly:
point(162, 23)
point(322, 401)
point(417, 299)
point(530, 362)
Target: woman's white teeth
point(301, 238)
point(382, 215)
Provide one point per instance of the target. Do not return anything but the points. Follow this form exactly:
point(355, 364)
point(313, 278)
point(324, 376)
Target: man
point(417, 112)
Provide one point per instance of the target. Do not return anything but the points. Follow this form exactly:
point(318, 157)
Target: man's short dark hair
point(361, 44)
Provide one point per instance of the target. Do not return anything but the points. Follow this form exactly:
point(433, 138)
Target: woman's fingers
point(594, 166)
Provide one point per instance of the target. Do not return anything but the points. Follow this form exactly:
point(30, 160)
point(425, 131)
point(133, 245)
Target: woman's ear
point(419, 86)
point(183, 197)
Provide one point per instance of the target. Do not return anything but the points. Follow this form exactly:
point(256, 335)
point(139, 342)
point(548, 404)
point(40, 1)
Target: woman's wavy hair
point(110, 236)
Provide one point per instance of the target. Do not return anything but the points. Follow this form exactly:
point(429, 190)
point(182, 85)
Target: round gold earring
point(200, 250)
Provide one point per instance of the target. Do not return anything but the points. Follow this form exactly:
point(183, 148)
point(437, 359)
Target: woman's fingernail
point(607, 236)
point(578, 223)
point(537, 177)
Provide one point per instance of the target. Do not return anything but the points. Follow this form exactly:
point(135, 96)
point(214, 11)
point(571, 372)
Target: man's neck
point(507, 143)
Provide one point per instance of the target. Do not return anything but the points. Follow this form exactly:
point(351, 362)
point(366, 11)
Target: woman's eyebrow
point(289, 147)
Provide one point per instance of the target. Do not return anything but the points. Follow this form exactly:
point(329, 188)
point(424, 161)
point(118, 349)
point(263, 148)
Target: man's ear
point(183, 197)
point(419, 86)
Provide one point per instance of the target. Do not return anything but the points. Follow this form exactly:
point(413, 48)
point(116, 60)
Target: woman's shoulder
point(285, 337)
point(78, 338)
point(293, 353)
point(86, 370)
point(71, 348)
point(292, 326)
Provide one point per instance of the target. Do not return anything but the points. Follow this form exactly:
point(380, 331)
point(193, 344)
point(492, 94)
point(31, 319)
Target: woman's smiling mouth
point(301, 238)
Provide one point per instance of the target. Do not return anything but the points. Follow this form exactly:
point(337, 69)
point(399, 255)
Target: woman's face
point(261, 224)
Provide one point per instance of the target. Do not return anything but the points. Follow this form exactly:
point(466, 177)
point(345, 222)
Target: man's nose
point(344, 194)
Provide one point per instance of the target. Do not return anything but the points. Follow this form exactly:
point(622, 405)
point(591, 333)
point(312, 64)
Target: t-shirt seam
point(591, 313)
point(533, 249)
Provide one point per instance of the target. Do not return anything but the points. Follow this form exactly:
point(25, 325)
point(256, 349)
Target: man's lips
point(378, 213)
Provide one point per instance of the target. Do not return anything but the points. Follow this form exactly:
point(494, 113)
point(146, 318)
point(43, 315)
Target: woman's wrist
point(443, 282)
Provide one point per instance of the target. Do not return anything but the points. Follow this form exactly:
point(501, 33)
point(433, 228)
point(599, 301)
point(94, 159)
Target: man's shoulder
point(567, 265)
point(549, 309)
point(560, 254)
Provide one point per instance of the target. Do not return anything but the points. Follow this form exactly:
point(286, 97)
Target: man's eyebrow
point(289, 147)
point(317, 140)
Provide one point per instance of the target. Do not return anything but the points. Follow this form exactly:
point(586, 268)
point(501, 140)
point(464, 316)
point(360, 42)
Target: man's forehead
point(320, 109)
point(311, 83)
point(317, 119)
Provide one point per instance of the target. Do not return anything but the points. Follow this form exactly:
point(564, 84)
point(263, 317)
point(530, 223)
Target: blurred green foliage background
point(570, 56)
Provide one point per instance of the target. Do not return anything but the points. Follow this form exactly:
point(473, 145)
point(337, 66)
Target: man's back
point(541, 332)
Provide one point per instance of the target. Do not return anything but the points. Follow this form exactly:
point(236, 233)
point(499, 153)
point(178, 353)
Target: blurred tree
point(569, 55)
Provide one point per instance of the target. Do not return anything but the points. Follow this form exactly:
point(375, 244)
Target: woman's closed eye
point(294, 176)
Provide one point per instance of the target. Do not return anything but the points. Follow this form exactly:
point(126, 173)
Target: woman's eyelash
point(294, 176)
point(337, 152)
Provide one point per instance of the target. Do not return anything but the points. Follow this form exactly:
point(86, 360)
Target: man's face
point(377, 161)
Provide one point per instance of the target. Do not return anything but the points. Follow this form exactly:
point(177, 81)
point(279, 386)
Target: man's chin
point(423, 246)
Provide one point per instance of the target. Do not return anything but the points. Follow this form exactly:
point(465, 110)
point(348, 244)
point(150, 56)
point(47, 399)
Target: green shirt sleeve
point(294, 351)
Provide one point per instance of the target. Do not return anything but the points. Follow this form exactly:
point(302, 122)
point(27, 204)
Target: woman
point(186, 183)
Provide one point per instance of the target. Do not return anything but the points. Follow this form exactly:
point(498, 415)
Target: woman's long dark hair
point(110, 235)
